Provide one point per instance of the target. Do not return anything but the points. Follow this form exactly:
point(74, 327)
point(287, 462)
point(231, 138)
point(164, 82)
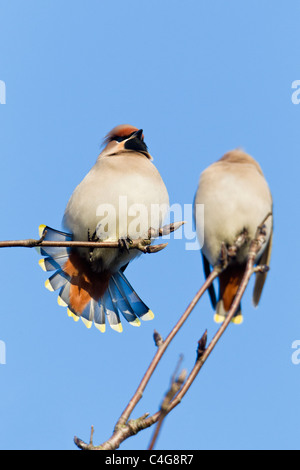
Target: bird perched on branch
point(120, 199)
point(236, 200)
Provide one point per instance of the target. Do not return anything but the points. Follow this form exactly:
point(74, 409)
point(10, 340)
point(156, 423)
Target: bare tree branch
point(141, 244)
point(125, 427)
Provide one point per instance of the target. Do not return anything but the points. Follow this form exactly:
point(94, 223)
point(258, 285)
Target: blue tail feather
point(99, 314)
point(121, 301)
point(111, 310)
point(54, 235)
point(119, 298)
point(52, 264)
point(64, 294)
point(58, 280)
point(137, 305)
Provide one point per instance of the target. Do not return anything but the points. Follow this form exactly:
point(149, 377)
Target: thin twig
point(141, 244)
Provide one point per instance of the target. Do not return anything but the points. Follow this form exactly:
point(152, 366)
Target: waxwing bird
point(120, 199)
point(236, 200)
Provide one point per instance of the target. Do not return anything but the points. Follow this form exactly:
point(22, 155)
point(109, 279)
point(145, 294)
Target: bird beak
point(138, 134)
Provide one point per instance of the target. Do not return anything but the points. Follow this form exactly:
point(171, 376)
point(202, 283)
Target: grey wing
point(211, 289)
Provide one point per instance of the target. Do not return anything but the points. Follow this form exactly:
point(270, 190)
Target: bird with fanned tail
point(114, 202)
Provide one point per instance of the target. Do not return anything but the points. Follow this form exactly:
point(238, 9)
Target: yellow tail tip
point(135, 322)
point(118, 328)
point(48, 286)
point(41, 230)
point(87, 323)
point(42, 264)
point(219, 318)
point(61, 302)
point(101, 328)
point(148, 316)
point(72, 315)
point(238, 320)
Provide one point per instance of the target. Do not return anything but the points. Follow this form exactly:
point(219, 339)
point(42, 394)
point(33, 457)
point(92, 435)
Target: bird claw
point(227, 253)
point(94, 237)
point(238, 243)
point(261, 268)
point(124, 243)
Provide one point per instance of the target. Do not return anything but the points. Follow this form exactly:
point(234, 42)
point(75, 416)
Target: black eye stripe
point(121, 139)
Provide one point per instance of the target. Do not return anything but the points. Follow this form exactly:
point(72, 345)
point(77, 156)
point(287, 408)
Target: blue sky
point(200, 78)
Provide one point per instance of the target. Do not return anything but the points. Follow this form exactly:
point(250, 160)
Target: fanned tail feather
point(53, 235)
point(139, 308)
point(117, 297)
point(111, 310)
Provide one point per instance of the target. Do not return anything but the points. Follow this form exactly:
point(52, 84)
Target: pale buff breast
point(235, 196)
point(122, 196)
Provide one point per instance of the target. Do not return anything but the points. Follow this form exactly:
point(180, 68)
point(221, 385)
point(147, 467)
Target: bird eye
point(119, 139)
